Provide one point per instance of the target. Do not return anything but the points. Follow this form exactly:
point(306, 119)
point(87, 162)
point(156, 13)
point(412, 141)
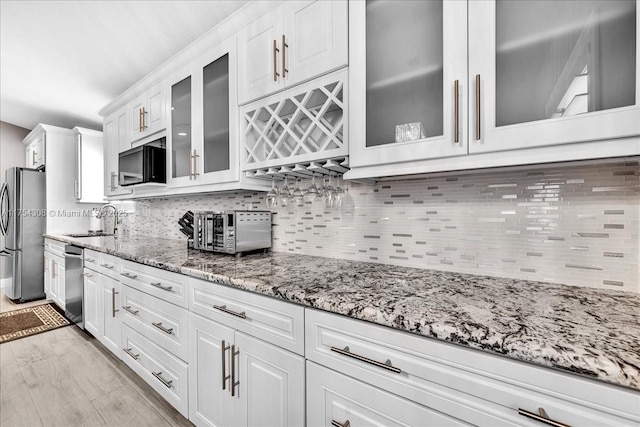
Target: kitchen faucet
point(115, 213)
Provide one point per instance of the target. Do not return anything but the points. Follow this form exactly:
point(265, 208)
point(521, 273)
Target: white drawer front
point(478, 387)
point(163, 323)
point(277, 322)
point(164, 372)
point(54, 246)
point(171, 287)
point(92, 260)
point(110, 266)
point(334, 398)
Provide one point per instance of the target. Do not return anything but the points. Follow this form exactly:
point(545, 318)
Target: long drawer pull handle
point(387, 365)
point(158, 375)
point(542, 417)
point(128, 309)
point(162, 328)
point(225, 377)
point(129, 275)
point(234, 383)
point(110, 267)
point(130, 353)
point(159, 285)
point(242, 315)
point(335, 423)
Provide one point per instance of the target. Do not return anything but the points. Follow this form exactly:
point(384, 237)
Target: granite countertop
point(592, 332)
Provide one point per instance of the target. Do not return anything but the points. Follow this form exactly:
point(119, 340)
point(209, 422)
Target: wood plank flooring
point(66, 378)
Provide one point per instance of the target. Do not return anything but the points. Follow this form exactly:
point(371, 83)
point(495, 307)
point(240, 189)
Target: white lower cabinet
point(164, 372)
point(112, 318)
point(92, 309)
point(334, 399)
point(238, 380)
point(54, 279)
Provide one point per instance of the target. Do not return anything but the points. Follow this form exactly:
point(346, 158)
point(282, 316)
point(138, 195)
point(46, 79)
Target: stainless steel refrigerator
point(22, 222)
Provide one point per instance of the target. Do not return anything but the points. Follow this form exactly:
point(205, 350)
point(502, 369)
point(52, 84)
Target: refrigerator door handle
point(5, 253)
point(4, 215)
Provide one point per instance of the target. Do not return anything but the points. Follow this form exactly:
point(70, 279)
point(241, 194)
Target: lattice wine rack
point(299, 131)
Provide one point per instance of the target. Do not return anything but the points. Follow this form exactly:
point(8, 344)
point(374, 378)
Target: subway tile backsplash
point(576, 225)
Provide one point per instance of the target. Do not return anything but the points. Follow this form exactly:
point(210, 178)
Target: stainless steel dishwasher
point(73, 284)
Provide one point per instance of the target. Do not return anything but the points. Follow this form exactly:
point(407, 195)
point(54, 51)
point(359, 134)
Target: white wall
point(12, 154)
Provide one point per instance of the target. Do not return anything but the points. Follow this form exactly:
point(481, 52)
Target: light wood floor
point(66, 378)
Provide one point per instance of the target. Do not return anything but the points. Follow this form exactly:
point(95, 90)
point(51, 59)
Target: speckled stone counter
point(587, 331)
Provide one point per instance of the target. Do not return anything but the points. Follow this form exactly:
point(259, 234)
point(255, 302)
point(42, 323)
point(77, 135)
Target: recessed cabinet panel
point(181, 128)
point(404, 70)
point(216, 115)
point(562, 59)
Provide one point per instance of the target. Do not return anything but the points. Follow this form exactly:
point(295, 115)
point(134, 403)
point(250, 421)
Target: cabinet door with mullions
point(552, 72)
point(408, 74)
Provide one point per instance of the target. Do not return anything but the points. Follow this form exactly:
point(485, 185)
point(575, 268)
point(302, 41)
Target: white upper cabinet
point(203, 137)
point(89, 182)
point(407, 74)
point(552, 73)
point(115, 140)
point(294, 42)
point(147, 113)
point(35, 152)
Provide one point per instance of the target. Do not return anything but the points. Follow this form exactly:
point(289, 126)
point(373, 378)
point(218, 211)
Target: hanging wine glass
point(312, 192)
point(284, 195)
point(327, 193)
point(296, 194)
point(338, 195)
point(271, 199)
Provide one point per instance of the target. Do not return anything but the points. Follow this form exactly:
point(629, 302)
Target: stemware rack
point(333, 167)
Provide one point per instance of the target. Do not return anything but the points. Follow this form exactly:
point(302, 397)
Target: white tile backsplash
point(576, 225)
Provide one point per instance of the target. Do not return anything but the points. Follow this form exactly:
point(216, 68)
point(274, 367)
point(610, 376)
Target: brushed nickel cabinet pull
point(33, 158)
point(456, 107)
point(110, 267)
point(335, 423)
point(144, 119)
point(87, 275)
point(542, 417)
point(386, 365)
point(162, 328)
point(139, 119)
point(113, 302)
point(113, 176)
point(275, 61)
point(284, 56)
point(234, 383)
point(195, 163)
point(87, 259)
point(158, 375)
point(159, 286)
point(129, 310)
point(477, 107)
point(128, 351)
point(242, 315)
point(225, 377)
point(129, 275)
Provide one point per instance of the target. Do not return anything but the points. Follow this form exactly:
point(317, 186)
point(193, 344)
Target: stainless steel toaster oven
point(232, 232)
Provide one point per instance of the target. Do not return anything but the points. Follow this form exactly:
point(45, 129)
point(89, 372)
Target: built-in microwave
point(146, 163)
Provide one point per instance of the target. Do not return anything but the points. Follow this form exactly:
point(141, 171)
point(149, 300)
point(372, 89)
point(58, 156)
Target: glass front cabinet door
point(203, 144)
point(408, 76)
point(552, 72)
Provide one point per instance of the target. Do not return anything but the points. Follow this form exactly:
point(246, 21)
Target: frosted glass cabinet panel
point(181, 163)
point(408, 75)
point(552, 72)
point(404, 68)
point(216, 115)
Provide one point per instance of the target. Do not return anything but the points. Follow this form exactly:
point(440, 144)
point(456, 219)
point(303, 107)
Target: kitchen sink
point(89, 235)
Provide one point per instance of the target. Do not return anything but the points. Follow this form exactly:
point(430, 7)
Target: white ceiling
point(61, 61)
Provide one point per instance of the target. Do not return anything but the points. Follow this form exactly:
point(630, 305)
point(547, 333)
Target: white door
point(47, 275)
point(60, 279)
point(315, 39)
point(260, 57)
point(407, 75)
point(270, 390)
point(215, 119)
point(93, 310)
point(546, 73)
point(210, 398)
point(112, 331)
point(114, 132)
point(334, 399)
point(155, 109)
point(181, 158)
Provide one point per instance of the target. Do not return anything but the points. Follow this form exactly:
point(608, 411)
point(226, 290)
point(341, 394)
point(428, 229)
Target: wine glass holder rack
point(298, 132)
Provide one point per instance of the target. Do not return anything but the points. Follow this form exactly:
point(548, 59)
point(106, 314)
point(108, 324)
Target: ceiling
point(62, 61)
